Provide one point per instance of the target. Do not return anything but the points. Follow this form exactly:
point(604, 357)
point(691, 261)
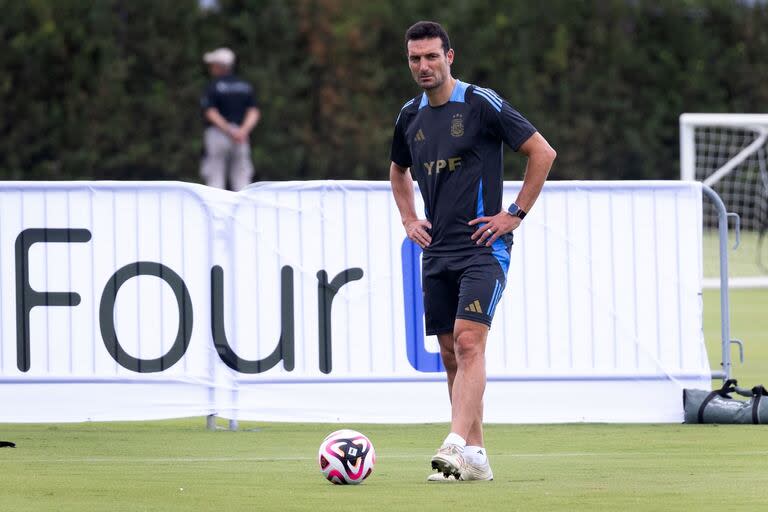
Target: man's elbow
point(545, 152)
point(551, 153)
point(538, 149)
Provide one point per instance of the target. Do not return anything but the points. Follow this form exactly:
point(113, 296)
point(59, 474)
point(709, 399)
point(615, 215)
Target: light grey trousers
point(224, 158)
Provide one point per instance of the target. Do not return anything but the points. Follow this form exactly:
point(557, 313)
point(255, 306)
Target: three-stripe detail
point(407, 103)
point(490, 96)
point(495, 298)
point(475, 307)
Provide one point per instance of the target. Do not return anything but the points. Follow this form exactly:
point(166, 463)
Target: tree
point(110, 89)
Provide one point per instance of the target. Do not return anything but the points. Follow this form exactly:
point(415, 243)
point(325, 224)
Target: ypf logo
point(437, 166)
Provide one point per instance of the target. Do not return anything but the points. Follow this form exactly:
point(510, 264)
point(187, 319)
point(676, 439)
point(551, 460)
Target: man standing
point(450, 138)
point(230, 113)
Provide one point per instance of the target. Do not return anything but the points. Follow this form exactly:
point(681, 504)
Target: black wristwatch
point(516, 211)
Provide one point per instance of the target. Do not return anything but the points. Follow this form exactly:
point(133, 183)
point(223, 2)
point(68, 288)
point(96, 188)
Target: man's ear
point(450, 56)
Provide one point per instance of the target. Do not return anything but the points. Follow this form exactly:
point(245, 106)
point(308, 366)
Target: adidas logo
point(419, 136)
point(474, 307)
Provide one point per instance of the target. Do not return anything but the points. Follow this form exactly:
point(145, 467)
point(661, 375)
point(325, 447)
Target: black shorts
point(466, 287)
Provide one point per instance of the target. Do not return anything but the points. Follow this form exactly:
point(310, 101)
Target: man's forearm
point(536, 172)
point(402, 189)
point(540, 160)
point(217, 119)
point(252, 117)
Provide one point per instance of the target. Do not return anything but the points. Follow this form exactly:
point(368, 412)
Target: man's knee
point(468, 344)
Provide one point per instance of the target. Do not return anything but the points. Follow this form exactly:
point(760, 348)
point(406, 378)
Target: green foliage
point(110, 89)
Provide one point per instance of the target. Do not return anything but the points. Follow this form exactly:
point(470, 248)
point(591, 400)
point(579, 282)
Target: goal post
point(729, 152)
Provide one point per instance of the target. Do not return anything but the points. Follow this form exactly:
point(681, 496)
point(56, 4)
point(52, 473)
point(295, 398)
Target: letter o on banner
point(107, 320)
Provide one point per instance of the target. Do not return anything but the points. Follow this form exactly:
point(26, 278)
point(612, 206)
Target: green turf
point(749, 322)
point(742, 262)
point(178, 466)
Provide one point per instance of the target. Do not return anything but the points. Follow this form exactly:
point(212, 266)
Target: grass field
point(178, 466)
point(742, 262)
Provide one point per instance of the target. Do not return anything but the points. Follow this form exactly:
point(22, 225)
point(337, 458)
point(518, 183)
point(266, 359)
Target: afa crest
point(457, 125)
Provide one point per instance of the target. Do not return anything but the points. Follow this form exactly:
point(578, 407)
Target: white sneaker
point(476, 472)
point(449, 460)
point(439, 477)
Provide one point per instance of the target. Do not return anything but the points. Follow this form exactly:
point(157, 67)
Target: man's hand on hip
point(416, 229)
point(491, 228)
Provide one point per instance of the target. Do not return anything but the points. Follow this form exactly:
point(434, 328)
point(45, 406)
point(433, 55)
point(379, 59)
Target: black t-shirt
point(455, 152)
point(231, 96)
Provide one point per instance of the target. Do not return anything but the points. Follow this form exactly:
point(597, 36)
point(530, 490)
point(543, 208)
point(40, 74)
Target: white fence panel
point(303, 303)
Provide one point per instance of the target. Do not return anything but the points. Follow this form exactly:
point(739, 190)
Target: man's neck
point(440, 95)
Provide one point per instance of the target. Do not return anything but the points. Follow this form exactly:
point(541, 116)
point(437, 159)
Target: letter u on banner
point(420, 358)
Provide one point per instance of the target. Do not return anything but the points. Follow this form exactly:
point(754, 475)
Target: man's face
point(216, 69)
point(430, 65)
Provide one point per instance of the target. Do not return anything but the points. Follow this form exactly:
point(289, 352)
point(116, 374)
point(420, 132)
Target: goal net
point(729, 152)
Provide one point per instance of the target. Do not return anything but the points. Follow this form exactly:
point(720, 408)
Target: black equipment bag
point(718, 407)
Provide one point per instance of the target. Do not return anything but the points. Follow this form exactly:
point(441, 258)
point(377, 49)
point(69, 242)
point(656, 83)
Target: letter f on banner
point(26, 297)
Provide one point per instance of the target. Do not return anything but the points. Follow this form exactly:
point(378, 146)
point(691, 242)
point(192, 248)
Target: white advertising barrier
point(301, 301)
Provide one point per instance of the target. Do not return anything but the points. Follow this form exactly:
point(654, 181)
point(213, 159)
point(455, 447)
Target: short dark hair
point(427, 30)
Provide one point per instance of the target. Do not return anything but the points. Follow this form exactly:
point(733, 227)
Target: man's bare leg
point(466, 388)
point(448, 355)
point(469, 383)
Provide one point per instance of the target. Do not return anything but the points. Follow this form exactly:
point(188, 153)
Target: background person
point(230, 112)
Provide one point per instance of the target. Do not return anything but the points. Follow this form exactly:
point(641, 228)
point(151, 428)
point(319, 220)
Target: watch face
point(515, 211)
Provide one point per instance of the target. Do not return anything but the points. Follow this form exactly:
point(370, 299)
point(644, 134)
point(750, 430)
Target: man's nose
point(423, 65)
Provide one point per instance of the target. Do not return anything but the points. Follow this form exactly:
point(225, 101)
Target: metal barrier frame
point(726, 371)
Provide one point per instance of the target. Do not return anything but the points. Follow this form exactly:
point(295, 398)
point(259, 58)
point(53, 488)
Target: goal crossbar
point(688, 122)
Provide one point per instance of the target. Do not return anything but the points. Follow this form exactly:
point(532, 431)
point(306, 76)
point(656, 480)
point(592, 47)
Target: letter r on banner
point(420, 358)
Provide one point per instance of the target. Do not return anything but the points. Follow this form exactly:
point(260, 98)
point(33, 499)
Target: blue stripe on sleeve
point(496, 104)
point(493, 93)
point(403, 108)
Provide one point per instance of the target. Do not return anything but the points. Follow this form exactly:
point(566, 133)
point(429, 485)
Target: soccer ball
point(346, 457)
